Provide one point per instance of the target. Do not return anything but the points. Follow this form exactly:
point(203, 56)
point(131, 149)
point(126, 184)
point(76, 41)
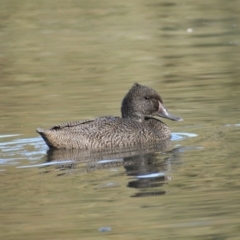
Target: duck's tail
point(40, 130)
point(44, 134)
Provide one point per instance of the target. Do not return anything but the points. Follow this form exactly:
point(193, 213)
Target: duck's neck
point(134, 117)
point(128, 110)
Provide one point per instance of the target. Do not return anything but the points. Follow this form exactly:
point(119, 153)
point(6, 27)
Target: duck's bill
point(162, 112)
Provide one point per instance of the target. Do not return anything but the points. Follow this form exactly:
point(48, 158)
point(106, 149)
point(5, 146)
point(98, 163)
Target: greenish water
point(76, 60)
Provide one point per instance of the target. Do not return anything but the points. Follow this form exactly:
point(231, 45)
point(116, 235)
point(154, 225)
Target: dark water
point(75, 60)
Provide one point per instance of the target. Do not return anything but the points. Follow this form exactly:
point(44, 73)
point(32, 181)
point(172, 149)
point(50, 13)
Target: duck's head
point(141, 102)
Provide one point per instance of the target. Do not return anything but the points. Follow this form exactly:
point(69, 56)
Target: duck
point(137, 125)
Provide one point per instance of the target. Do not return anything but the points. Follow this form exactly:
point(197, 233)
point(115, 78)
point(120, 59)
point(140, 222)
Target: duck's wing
point(71, 125)
point(89, 134)
point(96, 123)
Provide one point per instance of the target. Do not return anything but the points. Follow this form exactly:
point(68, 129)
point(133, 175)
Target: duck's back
point(104, 132)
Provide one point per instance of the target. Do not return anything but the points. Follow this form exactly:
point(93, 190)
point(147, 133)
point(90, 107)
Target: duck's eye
point(147, 98)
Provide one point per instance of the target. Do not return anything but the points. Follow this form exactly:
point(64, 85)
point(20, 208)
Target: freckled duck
point(137, 126)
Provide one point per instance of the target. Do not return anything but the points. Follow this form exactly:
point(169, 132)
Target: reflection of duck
point(108, 157)
point(82, 161)
point(147, 169)
point(137, 125)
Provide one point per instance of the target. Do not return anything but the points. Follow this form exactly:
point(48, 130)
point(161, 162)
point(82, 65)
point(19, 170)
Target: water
point(76, 60)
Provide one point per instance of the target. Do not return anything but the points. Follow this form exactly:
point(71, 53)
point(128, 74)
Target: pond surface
point(76, 60)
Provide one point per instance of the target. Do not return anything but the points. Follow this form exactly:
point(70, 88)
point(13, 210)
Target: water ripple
point(182, 135)
point(48, 164)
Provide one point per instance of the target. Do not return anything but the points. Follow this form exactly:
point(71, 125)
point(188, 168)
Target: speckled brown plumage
point(137, 125)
